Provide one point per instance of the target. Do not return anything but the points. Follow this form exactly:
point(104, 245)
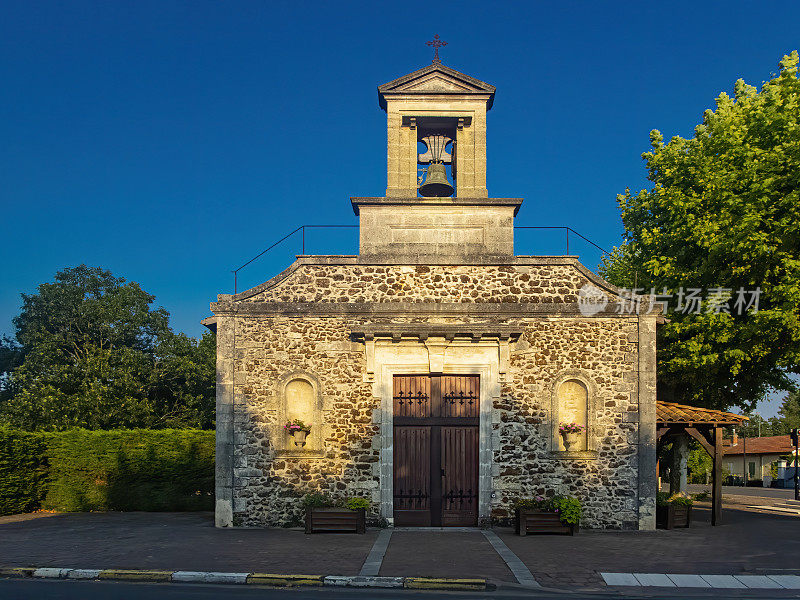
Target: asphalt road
point(733, 490)
point(36, 589)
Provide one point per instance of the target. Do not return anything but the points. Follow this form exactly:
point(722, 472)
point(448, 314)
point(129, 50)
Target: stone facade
point(323, 340)
point(273, 342)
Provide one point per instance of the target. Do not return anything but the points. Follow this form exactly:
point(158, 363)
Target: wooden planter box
point(535, 521)
point(335, 519)
point(673, 515)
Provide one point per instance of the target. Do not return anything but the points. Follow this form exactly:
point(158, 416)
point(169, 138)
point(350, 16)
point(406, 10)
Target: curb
point(434, 583)
point(284, 580)
point(129, 575)
point(266, 579)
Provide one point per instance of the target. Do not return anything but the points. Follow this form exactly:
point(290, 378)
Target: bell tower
point(446, 111)
point(437, 208)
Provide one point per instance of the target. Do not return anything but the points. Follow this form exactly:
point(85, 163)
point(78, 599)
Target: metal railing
point(567, 231)
point(302, 231)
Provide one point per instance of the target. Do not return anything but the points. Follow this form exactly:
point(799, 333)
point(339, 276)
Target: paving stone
point(176, 542)
point(758, 582)
point(654, 579)
point(688, 580)
point(459, 554)
point(517, 567)
point(566, 560)
point(790, 582)
point(620, 579)
point(188, 541)
point(723, 581)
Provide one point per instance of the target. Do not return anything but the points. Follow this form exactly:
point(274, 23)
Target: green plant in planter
point(325, 500)
point(535, 503)
point(318, 500)
point(357, 503)
point(664, 499)
point(567, 507)
point(681, 500)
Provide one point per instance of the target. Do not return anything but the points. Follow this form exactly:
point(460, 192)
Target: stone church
point(435, 367)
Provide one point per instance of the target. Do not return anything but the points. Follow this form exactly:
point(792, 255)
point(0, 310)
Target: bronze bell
point(436, 184)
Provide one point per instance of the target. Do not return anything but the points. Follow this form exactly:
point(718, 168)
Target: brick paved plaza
point(747, 543)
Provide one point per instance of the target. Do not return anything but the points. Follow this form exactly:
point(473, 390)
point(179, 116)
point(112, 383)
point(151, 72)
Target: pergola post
point(716, 477)
point(704, 425)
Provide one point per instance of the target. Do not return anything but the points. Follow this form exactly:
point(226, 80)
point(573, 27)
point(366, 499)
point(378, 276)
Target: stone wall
point(527, 461)
point(602, 350)
point(267, 484)
point(442, 283)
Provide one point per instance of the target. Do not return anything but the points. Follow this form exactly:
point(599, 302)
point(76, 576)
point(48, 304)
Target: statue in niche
point(573, 400)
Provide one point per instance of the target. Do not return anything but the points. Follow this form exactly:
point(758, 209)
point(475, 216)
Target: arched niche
point(573, 407)
point(573, 398)
point(299, 398)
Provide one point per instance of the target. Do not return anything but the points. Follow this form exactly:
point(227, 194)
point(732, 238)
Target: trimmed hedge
point(23, 471)
point(81, 470)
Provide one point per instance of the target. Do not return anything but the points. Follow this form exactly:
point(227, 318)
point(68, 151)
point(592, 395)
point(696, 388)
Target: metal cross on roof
point(436, 43)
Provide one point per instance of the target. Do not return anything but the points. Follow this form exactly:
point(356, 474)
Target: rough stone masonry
point(435, 289)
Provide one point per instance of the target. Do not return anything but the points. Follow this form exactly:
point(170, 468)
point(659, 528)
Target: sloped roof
point(436, 78)
point(669, 413)
point(769, 444)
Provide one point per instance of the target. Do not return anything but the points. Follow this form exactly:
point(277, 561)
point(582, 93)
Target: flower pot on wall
point(571, 440)
point(299, 437)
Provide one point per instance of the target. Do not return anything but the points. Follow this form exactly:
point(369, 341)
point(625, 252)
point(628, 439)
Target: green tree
point(10, 359)
point(93, 352)
point(620, 267)
point(788, 415)
point(183, 382)
point(699, 463)
point(723, 215)
point(757, 426)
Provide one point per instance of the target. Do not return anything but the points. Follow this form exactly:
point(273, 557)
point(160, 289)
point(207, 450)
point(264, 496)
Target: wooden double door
point(436, 420)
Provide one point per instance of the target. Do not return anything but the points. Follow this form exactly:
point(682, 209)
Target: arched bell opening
point(436, 149)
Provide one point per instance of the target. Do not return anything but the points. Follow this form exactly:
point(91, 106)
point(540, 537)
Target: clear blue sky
point(171, 141)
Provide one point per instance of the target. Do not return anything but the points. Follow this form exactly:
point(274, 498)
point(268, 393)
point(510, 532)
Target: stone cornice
point(502, 310)
point(423, 331)
point(358, 202)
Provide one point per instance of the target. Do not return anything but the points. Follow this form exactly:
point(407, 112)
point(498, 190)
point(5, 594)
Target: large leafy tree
point(788, 415)
point(10, 358)
point(724, 212)
point(93, 352)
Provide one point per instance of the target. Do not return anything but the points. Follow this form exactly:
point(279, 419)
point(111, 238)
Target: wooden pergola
point(705, 426)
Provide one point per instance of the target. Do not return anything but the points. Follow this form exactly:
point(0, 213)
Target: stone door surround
point(437, 355)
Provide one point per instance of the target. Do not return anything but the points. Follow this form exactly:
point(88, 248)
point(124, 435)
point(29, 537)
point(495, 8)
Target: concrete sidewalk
point(746, 544)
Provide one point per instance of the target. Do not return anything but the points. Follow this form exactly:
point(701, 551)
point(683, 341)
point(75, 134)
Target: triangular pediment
point(439, 75)
point(436, 78)
point(434, 82)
